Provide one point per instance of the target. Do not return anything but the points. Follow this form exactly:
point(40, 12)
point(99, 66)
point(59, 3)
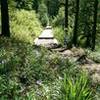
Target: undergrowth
point(28, 72)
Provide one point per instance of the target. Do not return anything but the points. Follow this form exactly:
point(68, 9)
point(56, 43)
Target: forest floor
point(79, 56)
point(39, 70)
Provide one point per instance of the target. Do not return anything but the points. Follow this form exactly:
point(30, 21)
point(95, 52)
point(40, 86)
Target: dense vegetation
point(28, 72)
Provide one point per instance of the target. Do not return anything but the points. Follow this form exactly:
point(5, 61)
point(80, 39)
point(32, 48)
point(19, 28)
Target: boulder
point(78, 51)
point(67, 53)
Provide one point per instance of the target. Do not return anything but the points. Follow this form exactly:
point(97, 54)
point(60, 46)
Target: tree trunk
point(66, 22)
point(94, 24)
point(5, 18)
point(76, 23)
point(87, 31)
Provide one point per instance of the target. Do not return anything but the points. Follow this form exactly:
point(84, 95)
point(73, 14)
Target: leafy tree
point(35, 5)
point(85, 24)
point(42, 13)
point(53, 7)
point(24, 4)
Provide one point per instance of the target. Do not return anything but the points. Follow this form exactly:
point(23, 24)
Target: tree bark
point(76, 23)
point(5, 18)
point(94, 24)
point(66, 22)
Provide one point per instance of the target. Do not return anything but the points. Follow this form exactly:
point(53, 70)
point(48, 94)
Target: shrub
point(24, 25)
point(59, 34)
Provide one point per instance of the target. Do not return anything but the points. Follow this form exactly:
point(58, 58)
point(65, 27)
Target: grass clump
point(78, 88)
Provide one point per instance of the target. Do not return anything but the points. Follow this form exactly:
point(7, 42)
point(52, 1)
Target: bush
point(59, 34)
point(24, 25)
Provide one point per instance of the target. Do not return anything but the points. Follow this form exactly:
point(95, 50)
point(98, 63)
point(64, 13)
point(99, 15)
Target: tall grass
point(77, 89)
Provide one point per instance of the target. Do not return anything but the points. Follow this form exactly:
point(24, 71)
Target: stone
point(45, 42)
point(67, 53)
point(92, 68)
point(96, 78)
point(46, 34)
point(46, 39)
point(78, 51)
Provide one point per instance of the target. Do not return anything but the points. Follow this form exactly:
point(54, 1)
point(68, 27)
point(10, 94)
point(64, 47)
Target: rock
point(94, 72)
point(51, 46)
point(59, 49)
point(67, 53)
point(45, 42)
point(98, 68)
point(46, 34)
point(96, 78)
point(46, 39)
point(84, 60)
point(78, 51)
point(39, 82)
point(89, 61)
point(89, 68)
point(92, 68)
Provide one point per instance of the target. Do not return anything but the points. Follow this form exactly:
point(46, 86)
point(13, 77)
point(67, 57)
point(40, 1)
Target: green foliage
point(24, 4)
point(59, 19)
point(42, 14)
point(19, 67)
point(31, 72)
point(59, 34)
point(85, 21)
point(58, 24)
point(24, 25)
point(77, 89)
point(53, 7)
